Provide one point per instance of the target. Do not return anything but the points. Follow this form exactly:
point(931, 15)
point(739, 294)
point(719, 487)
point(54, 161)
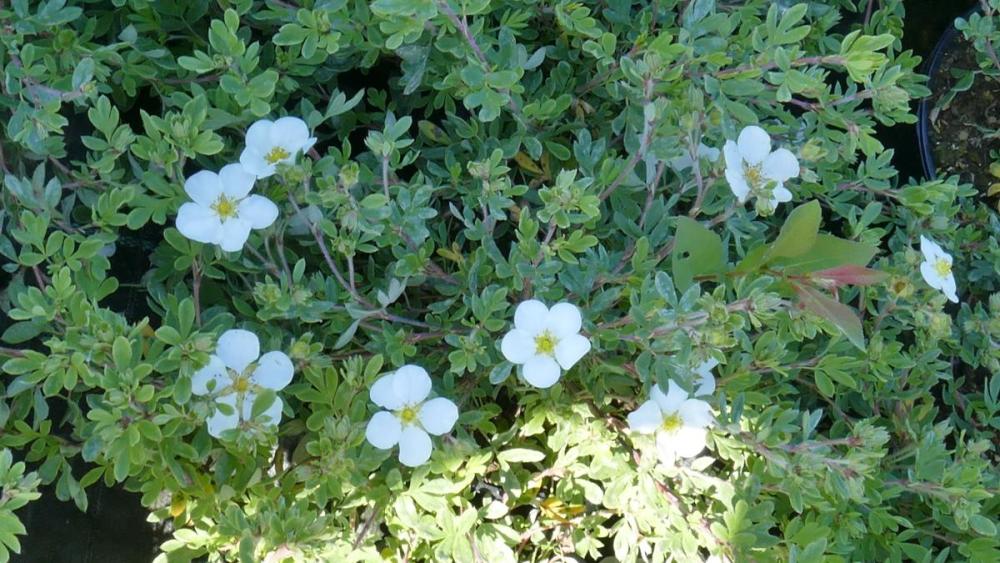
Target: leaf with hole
point(697, 252)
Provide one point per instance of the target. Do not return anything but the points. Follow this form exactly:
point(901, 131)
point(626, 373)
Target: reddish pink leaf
point(849, 274)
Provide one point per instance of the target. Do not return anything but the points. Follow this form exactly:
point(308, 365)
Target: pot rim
point(930, 68)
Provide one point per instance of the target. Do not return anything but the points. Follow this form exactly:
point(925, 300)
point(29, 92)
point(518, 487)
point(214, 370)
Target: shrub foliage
point(471, 155)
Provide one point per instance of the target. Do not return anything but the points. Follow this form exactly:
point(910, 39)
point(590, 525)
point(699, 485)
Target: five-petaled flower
point(936, 268)
point(222, 211)
point(235, 374)
point(679, 422)
point(544, 341)
point(270, 143)
point(753, 170)
point(409, 417)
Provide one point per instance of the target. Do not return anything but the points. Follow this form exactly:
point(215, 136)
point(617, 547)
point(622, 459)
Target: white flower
point(680, 423)
point(222, 212)
point(706, 379)
point(235, 374)
point(270, 143)
point(684, 161)
point(545, 341)
point(936, 268)
point(409, 417)
point(753, 170)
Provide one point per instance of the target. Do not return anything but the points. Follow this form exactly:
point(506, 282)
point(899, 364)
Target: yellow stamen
point(545, 344)
point(408, 415)
point(753, 174)
point(672, 423)
point(242, 384)
point(942, 267)
point(276, 154)
point(225, 207)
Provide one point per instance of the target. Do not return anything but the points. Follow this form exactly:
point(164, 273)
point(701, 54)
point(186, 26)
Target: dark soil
point(963, 134)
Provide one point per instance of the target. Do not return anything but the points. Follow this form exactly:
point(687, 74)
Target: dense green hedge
point(755, 360)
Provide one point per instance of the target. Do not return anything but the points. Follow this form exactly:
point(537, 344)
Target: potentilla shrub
point(492, 281)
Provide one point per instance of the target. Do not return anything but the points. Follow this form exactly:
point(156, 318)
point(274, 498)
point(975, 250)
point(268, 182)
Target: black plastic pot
point(930, 68)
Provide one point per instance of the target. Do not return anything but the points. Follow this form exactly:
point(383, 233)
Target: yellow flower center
point(672, 423)
point(942, 267)
point(242, 384)
point(753, 175)
point(408, 415)
point(276, 154)
point(545, 344)
point(224, 207)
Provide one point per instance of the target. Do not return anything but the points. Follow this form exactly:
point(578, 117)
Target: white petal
point(199, 223)
point(695, 412)
point(671, 401)
point(274, 371)
point(738, 184)
point(236, 180)
point(754, 144)
point(781, 165)
point(383, 430)
point(707, 152)
point(259, 211)
point(414, 447)
point(780, 194)
point(732, 154)
point(237, 348)
point(271, 416)
point(219, 422)
point(948, 288)
point(215, 371)
point(689, 441)
point(203, 187)
point(308, 144)
point(666, 448)
point(383, 393)
point(291, 133)
point(411, 384)
point(707, 366)
point(259, 135)
point(571, 349)
point(706, 379)
point(531, 316)
point(645, 419)
point(253, 162)
point(930, 249)
point(541, 372)
point(438, 416)
point(564, 320)
point(517, 346)
point(931, 276)
point(235, 233)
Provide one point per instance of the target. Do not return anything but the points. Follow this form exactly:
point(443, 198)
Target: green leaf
point(121, 352)
point(520, 455)
point(22, 331)
point(982, 525)
point(697, 251)
point(290, 34)
point(842, 316)
point(83, 73)
point(828, 252)
point(263, 401)
point(799, 232)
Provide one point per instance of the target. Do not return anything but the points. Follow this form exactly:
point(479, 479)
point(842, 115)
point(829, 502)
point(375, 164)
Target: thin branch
point(645, 141)
point(196, 289)
point(314, 229)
